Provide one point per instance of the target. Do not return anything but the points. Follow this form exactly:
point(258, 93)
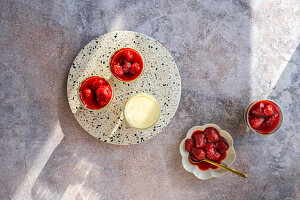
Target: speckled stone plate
point(159, 78)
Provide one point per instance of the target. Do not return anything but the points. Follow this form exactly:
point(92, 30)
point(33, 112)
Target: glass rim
point(115, 53)
point(281, 117)
point(153, 98)
point(111, 99)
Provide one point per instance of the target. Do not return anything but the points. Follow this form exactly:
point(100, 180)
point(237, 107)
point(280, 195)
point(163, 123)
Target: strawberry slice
point(198, 153)
point(200, 140)
point(269, 110)
point(255, 122)
point(117, 70)
point(189, 144)
point(135, 68)
point(211, 134)
point(258, 110)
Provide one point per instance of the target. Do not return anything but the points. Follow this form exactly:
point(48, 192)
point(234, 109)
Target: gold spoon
point(219, 165)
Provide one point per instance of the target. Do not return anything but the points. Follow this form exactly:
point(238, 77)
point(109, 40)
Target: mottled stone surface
point(229, 53)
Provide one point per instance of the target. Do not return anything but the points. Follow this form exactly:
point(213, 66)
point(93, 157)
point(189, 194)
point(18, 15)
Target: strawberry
point(193, 157)
point(128, 56)
point(210, 148)
point(117, 70)
point(258, 110)
point(211, 134)
point(103, 94)
point(189, 144)
point(126, 67)
point(135, 68)
point(87, 92)
point(198, 153)
point(97, 83)
point(211, 152)
point(200, 140)
point(272, 119)
point(268, 110)
point(222, 146)
point(213, 156)
point(255, 122)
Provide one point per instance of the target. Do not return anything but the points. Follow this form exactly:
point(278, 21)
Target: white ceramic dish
point(210, 173)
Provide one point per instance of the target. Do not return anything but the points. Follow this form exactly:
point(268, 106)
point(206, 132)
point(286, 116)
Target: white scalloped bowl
point(210, 173)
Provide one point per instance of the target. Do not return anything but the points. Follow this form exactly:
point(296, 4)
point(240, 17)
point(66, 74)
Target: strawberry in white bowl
point(207, 142)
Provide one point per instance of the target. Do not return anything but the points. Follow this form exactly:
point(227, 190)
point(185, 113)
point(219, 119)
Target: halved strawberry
point(103, 94)
point(255, 122)
point(198, 153)
point(272, 119)
point(87, 92)
point(213, 156)
point(269, 110)
point(189, 144)
point(135, 68)
point(222, 146)
point(97, 83)
point(210, 148)
point(211, 152)
point(258, 110)
point(128, 56)
point(117, 70)
point(200, 140)
point(211, 134)
point(126, 67)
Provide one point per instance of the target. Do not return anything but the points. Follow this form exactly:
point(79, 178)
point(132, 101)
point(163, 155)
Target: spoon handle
point(226, 168)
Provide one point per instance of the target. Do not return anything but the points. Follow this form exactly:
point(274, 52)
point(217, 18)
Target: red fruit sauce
point(126, 64)
point(92, 99)
point(204, 165)
point(258, 113)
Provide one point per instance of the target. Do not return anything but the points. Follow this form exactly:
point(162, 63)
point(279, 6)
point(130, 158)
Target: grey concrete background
point(229, 53)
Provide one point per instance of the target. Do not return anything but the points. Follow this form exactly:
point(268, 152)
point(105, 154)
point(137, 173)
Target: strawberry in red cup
point(126, 64)
point(128, 55)
point(95, 93)
point(207, 144)
point(117, 70)
point(264, 117)
point(256, 122)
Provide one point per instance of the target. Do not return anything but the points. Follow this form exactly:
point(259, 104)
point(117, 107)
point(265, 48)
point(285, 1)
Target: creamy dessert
point(141, 111)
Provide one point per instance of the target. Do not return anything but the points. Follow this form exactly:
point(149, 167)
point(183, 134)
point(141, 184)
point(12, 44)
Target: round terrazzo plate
point(159, 78)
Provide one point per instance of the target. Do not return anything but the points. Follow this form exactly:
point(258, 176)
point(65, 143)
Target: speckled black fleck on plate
point(160, 78)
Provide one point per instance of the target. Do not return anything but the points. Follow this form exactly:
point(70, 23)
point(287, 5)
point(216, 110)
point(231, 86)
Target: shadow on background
point(211, 44)
point(211, 47)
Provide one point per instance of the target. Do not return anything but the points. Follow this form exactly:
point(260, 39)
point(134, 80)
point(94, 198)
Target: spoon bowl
point(219, 165)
